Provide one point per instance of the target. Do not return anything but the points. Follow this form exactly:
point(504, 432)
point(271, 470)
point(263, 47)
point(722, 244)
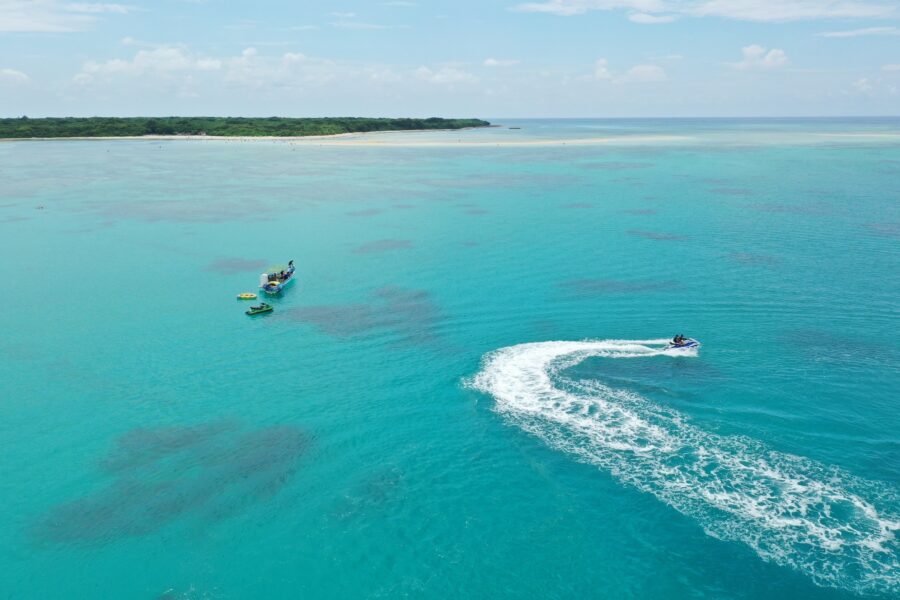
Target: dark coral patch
point(368, 212)
point(163, 475)
point(884, 229)
point(340, 320)
point(141, 447)
point(412, 315)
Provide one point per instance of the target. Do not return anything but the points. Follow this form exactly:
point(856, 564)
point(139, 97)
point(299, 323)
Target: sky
point(450, 58)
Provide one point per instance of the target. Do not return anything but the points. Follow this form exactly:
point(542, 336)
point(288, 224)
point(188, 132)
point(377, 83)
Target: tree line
point(25, 127)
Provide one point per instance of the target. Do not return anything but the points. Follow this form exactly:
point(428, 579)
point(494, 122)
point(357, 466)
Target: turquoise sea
point(463, 395)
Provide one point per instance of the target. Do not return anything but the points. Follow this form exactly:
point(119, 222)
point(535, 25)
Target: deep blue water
point(407, 423)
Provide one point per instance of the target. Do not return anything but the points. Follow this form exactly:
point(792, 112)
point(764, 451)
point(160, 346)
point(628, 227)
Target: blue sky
point(544, 58)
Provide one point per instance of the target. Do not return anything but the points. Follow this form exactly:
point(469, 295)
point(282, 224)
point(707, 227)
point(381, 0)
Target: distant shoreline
point(373, 139)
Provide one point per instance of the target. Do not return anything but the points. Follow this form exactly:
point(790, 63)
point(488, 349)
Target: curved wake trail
point(790, 510)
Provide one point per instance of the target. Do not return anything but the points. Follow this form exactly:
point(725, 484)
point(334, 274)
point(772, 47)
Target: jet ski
point(258, 310)
point(682, 343)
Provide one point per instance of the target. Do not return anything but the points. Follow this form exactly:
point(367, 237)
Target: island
point(74, 127)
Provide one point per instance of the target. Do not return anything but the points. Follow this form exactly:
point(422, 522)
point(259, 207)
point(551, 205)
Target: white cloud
point(500, 62)
point(13, 76)
point(120, 9)
point(643, 74)
point(636, 74)
point(890, 68)
point(294, 71)
point(863, 85)
point(567, 8)
point(52, 16)
point(756, 57)
point(182, 72)
point(342, 15)
point(601, 69)
point(130, 41)
point(402, 3)
point(876, 87)
point(445, 75)
point(648, 19)
point(379, 74)
point(743, 10)
point(861, 32)
point(161, 60)
point(793, 10)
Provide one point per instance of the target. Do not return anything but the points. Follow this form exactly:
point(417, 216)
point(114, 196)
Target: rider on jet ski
point(679, 339)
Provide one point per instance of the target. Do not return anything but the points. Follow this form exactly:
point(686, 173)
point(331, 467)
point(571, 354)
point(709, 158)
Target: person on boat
point(678, 340)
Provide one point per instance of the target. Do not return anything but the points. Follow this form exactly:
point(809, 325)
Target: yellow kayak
point(247, 296)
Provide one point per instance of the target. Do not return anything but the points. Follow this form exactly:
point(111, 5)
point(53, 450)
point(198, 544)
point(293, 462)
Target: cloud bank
point(49, 16)
point(742, 10)
point(758, 58)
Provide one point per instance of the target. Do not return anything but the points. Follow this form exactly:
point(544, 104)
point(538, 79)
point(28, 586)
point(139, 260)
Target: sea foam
point(792, 511)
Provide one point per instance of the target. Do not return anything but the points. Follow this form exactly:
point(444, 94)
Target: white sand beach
point(382, 139)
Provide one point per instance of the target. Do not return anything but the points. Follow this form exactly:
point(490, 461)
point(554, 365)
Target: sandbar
point(370, 139)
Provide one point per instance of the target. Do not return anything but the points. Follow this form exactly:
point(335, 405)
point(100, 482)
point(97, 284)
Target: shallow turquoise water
point(158, 443)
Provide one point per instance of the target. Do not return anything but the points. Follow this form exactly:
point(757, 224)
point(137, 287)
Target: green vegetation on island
point(24, 127)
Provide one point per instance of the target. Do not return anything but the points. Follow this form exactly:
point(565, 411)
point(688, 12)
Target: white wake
point(790, 510)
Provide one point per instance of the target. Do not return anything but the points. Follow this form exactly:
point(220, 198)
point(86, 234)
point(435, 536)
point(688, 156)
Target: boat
point(684, 343)
point(258, 310)
point(246, 296)
point(272, 283)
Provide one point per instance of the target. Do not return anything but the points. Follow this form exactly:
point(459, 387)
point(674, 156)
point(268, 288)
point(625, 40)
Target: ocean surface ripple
point(790, 510)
